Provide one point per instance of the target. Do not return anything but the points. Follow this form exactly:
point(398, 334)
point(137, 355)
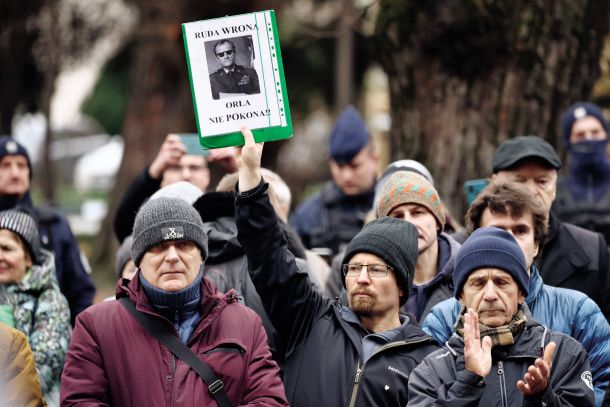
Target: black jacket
point(442, 379)
point(575, 258)
point(323, 345)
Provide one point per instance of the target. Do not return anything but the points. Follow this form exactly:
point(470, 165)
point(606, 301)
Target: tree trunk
point(467, 75)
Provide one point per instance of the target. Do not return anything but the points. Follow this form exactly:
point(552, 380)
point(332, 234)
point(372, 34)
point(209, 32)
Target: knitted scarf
point(501, 335)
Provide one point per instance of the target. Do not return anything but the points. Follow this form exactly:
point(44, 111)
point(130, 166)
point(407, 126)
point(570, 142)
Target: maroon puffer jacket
point(113, 361)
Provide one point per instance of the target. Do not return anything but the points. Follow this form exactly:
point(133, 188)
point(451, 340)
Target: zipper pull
point(500, 367)
point(357, 379)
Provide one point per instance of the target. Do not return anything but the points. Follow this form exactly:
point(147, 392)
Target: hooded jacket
point(41, 312)
point(326, 364)
point(56, 236)
point(113, 361)
point(19, 385)
point(568, 311)
point(442, 378)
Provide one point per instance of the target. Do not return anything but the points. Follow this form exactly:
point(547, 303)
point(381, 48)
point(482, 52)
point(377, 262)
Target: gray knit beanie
point(123, 255)
point(24, 226)
point(165, 219)
point(392, 240)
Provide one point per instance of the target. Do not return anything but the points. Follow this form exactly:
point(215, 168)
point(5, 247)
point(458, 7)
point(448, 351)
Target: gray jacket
point(442, 379)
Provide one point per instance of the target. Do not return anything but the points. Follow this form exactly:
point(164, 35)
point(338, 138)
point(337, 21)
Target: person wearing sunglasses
point(231, 79)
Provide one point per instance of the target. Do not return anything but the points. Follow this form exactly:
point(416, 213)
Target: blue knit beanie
point(578, 111)
point(349, 136)
point(10, 146)
point(490, 247)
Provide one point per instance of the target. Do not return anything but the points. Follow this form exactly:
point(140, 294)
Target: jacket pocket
point(228, 361)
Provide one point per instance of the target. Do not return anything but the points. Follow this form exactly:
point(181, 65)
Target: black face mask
point(589, 156)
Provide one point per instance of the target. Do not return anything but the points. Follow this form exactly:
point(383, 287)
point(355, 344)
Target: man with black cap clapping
point(357, 354)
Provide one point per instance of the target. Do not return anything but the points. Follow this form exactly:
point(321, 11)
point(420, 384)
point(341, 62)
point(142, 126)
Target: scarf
point(501, 335)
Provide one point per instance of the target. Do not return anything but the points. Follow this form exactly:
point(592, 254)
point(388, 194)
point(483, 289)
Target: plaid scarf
point(501, 335)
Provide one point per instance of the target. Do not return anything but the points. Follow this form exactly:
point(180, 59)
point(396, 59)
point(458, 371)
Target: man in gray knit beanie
point(169, 248)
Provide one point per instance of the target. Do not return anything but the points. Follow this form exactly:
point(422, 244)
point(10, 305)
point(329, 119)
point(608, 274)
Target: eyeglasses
point(222, 54)
point(373, 270)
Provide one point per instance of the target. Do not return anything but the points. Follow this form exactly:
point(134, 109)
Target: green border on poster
point(260, 134)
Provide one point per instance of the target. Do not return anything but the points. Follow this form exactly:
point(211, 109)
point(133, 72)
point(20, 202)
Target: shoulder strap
point(157, 328)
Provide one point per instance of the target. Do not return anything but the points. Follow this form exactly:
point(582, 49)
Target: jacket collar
point(535, 285)
point(529, 343)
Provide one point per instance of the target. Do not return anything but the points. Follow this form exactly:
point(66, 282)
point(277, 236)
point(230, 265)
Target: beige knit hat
point(408, 187)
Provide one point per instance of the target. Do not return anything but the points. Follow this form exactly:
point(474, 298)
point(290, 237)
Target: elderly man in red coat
point(115, 361)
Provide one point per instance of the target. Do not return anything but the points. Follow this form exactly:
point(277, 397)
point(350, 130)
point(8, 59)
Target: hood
point(217, 210)
point(449, 258)
point(222, 241)
point(40, 277)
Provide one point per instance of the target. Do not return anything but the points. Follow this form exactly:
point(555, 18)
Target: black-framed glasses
point(373, 270)
point(222, 54)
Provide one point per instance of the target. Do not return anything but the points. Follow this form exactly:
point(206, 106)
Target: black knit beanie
point(165, 219)
point(490, 247)
point(392, 240)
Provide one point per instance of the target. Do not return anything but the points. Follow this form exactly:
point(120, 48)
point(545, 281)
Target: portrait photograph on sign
point(231, 61)
point(237, 79)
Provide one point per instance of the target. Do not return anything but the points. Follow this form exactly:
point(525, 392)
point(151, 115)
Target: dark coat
point(324, 364)
point(240, 79)
point(330, 218)
point(568, 311)
point(113, 361)
point(442, 378)
point(575, 258)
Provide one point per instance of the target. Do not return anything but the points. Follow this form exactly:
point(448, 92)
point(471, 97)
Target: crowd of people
point(370, 293)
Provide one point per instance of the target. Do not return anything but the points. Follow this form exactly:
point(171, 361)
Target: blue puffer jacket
point(568, 311)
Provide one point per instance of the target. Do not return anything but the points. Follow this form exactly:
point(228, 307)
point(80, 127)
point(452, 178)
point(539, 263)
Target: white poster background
point(226, 115)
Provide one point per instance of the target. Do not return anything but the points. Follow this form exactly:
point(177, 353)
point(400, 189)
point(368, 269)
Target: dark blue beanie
point(578, 111)
point(490, 247)
point(9, 146)
point(349, 136)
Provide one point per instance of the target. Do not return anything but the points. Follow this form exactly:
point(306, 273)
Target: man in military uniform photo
point(231, 78)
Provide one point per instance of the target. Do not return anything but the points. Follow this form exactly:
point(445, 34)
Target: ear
point(521, 298)
point(493, 177)
point(536, 250)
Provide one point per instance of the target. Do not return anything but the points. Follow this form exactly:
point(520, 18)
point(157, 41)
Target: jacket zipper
point(359, 369)
point(502, 384)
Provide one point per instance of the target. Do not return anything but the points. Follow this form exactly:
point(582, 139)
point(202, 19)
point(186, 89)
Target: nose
point(186, 173)
point(364, 278)
point(490, 294)
point(172, 254)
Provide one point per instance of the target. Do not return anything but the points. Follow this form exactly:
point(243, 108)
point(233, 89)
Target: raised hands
point(477, 354)
point(169, 154)
point(249, 161)
point(537, 377)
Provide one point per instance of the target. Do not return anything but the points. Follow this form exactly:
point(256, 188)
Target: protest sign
point(237, 78)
